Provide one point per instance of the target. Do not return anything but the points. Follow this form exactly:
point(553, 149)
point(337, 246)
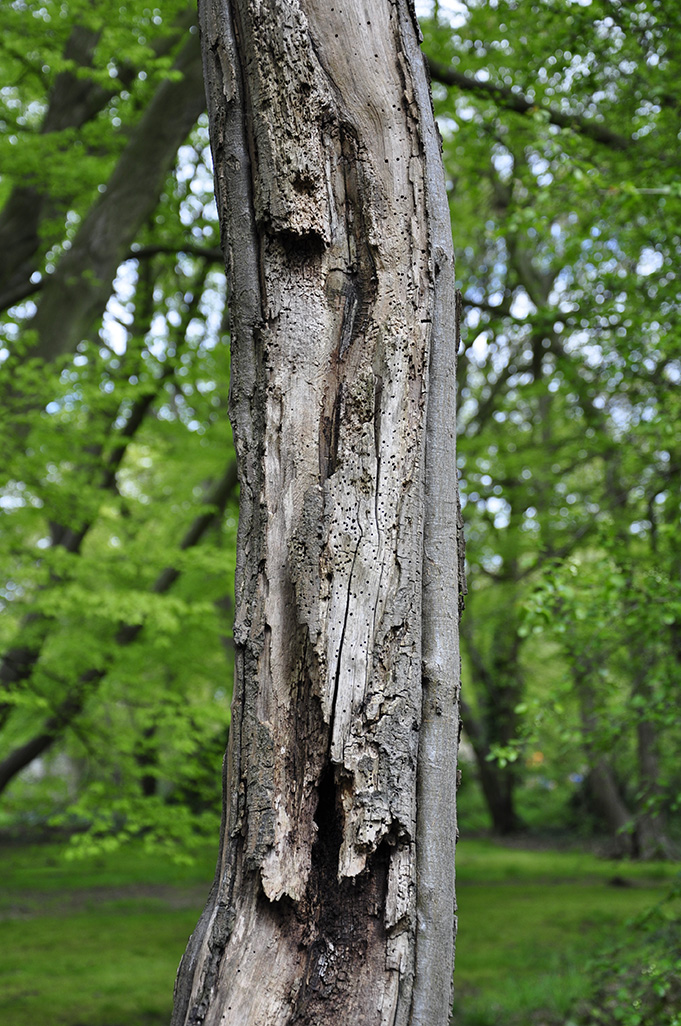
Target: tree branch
point(18, 662)
point(146, 252)
point(519, 103)
point(73, 298)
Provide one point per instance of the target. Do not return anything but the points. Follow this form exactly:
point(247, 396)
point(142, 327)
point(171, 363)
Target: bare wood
point(319, 121)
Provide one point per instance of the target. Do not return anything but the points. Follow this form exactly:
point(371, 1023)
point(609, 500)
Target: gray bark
point(443, 590)
point(337, 242)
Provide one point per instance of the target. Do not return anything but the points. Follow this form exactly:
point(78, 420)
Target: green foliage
point(62, 141)
point(561, 149)
point(560, 142)
point(637, 980)
point(118, 493)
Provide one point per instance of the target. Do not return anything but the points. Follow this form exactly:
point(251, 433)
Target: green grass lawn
point(97, 943)
point(529, 921)
point(93, 943)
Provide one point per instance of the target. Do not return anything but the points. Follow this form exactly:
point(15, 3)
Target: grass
point(50, 867)
point(105, 967)
point(94, 943)
point(529, 921)
point(97, 943)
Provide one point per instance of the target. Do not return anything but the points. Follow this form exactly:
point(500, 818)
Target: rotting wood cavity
point(344, 920)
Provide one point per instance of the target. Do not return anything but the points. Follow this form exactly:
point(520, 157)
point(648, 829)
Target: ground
point(97, 942)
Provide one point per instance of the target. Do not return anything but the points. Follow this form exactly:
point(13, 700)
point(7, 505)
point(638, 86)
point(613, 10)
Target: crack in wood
point(333, 739)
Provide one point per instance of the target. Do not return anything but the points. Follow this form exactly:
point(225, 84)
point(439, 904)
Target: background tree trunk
point(336, 231)
point(498, 682)
point(603, 783)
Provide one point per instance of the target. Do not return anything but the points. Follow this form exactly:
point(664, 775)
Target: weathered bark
point(333, 217)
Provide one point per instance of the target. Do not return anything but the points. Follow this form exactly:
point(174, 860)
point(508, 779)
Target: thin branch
point(500, 310)
point(20, 292)
point(521, 104)
point(146, 252)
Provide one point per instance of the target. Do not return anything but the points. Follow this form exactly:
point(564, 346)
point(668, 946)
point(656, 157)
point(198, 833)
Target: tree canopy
point(561, 136)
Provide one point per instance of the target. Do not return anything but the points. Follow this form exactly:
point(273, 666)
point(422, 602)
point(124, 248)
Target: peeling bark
point(326, 164)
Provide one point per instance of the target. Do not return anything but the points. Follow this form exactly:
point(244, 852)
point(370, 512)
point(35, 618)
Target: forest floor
point(97, 942)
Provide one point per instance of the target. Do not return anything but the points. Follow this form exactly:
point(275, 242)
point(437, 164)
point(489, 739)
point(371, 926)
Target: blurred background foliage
point(119, 486)
point(560, 127)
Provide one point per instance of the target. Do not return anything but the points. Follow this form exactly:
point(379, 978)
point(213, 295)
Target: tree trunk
point(496, 782)
point(603, 784)
point(75, 295)
point(498, 787)
point(497, 681)
point(608, 798)
point(344, 724)
point(652, 833)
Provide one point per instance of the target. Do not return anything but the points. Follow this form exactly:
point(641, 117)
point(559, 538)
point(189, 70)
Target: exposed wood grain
point(319, 141)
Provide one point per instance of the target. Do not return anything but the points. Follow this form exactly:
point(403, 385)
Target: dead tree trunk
point(333, 899)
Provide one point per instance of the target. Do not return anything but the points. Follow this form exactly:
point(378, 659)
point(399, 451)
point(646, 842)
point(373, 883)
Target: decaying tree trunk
point(333, 900)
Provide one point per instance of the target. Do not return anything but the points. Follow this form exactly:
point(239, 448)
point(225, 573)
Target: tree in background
point(117, 460)
point(560, 149)
point(333, 897)
point(560, 124)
